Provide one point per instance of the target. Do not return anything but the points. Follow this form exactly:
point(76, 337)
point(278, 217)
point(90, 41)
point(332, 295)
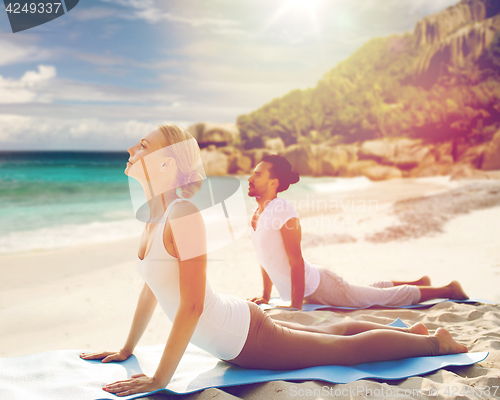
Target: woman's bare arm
point(192, 279)
point(143, 312)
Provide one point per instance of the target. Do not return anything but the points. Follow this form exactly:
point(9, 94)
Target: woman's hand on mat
point(136, 384)
point(259, 300)
point(107, 356)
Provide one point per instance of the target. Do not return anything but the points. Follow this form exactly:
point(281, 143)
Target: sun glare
point(297, 8)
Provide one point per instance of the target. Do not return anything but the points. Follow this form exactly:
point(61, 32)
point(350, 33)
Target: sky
point(109, 71)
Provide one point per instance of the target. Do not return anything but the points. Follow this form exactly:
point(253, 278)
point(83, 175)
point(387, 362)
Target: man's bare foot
point(456, 291)
point(447, 344)
point(419, 329)
point(424, 281)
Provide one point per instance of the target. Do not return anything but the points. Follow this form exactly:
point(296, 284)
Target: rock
point(491, 157)
point(214, 161)
point(429, 170)
point(276, 145)
point(318, 152)
point(240, 164)
point(227, 150)
point(413, 158)
point(356, 168)
point(382, 172)
point(494, 174)
point(337, 157)
point(207, 132)
point(306, 159)
point(256, 155)
point(434, 28)
point(473, 155)
point(466, 44)
point(352, 151)
point(300, 156)
point(380, 151)
point(405, 146)
point(467, 171)
point(444, 151)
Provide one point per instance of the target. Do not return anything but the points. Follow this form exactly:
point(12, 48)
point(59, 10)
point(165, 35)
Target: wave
point(336, 185)
point(69, 235)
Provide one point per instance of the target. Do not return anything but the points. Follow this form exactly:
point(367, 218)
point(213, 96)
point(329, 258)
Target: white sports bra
point(223, 325)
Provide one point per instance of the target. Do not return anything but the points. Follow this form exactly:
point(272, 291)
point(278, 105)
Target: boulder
point(380, 151)
point(405, 145)
point(256, 155)
point(429, 170)
point(337, 157)
point(444, 151)
point(356, 168)
point(318, 152)
point(300, 156)
point(413, 158)
point(382, 172)
point(240, 164)
point(275, 145)
point(491, 157)
point(467, 171)
point(352, 151)
point(473, 155)
point(214, 161)
point(207, 132)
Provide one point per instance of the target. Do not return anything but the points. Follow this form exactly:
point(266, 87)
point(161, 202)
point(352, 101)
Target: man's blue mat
point(276, 302)
point(62, 374)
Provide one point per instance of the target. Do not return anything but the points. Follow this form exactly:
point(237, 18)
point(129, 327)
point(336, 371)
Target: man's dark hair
point(282, 170)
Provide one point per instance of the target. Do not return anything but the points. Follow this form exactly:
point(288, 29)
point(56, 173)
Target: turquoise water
point(58, 199)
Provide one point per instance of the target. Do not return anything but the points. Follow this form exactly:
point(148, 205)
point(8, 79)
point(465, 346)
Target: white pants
point(334, 291)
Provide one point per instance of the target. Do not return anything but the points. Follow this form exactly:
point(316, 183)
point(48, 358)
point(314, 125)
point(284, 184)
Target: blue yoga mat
point(63, 375)
point(276, 302)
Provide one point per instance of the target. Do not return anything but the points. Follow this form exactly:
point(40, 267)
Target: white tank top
point(223, 325)
point(271, 253)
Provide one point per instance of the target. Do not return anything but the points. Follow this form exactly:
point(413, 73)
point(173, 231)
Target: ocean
point(58, 199)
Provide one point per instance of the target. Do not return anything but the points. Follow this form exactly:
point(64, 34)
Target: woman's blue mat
point(63, 375)
point(276, 302)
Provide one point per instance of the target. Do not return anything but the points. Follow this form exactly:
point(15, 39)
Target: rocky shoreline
point(378, 159)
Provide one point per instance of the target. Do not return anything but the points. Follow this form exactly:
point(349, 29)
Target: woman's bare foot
point(456, 291)
point(419, 329)
point(447, 344)
point(424, 281)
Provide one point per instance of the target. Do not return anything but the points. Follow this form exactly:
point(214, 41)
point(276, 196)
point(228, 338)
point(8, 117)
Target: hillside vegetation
point(440, 83)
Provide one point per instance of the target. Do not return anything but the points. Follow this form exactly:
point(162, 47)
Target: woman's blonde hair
point(187, 156)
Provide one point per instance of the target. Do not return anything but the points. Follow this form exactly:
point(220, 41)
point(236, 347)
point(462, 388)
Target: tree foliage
point(376, 93)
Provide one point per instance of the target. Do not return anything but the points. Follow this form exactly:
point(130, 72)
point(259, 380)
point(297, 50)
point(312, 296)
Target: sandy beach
point(84, 297)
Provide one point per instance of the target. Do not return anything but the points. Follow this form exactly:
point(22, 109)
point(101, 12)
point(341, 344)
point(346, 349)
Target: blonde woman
point(172, 261)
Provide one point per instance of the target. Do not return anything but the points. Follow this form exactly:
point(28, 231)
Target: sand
point(83, 297)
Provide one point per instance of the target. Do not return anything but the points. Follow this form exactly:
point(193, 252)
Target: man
point(276, 235)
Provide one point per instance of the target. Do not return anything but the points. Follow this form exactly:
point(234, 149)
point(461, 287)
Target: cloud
point(31, 87)
point(60, 132)
point(43, 86)
point(92, 13)
point(100, 59)
point(153, 12)
point(21, 49)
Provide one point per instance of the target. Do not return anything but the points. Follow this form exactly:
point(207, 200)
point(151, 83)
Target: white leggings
point(334, 291)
